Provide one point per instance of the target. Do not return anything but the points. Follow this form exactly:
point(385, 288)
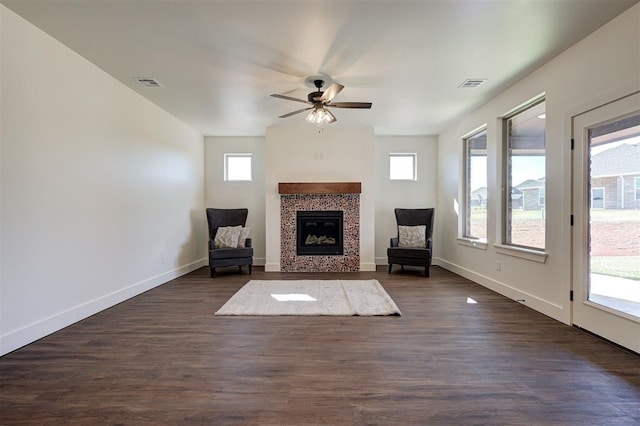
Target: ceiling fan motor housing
point(314, 96)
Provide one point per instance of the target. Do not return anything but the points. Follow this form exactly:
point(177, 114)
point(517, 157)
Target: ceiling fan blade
point(361, 105)
point(332, 118)
point(295, 112)
point(331, 92)
point(289, 98)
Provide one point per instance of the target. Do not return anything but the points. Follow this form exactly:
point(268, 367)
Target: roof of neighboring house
point(480, 193)
point(532, 183)
point(624, 159)
point(516, 194)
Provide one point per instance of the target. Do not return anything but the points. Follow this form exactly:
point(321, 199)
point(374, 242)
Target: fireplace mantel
point(319, 188)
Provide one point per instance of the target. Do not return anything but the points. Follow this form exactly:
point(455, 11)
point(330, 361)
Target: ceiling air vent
point(148, 82)
point(472, 83)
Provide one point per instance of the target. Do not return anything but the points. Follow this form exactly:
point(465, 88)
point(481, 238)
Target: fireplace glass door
point(319, 233)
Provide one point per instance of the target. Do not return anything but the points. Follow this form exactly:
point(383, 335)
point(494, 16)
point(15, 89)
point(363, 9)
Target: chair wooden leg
point(250, 269)
point(240, 268)
point(390, 266)
point(426, 272)
point(213, 272)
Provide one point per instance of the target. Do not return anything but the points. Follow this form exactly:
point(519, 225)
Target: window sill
point(523, 253)
point(471, 242)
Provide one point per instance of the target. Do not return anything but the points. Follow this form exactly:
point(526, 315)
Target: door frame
point(606, 322)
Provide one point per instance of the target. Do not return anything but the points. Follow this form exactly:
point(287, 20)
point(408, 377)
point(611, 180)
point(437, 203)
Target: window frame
point(506, 240)
point(637, 187)
point(227, 156)
point(466, 182)
point(414, 157)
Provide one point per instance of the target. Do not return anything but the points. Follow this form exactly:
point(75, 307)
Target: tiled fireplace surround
point(349, 203)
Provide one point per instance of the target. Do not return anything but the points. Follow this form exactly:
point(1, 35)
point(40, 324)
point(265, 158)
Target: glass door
point(606, 232)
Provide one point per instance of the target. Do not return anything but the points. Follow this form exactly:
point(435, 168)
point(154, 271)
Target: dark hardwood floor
point(164, 358)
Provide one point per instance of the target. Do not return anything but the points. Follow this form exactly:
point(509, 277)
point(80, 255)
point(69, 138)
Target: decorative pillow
point(244, 234)
point(227, 237)
point(412, 236)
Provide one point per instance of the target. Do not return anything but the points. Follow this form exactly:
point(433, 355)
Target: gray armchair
point(412, 250)
point(223, 257)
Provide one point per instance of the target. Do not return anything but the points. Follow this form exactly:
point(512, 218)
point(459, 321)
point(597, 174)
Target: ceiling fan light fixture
point(319, 116)
point(311, 117)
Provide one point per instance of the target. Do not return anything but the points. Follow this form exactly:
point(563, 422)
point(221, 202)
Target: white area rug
point(310, 297)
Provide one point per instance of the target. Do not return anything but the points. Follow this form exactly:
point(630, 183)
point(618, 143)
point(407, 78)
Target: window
point(597, 198)
point(475, 185)
point(402, 167)
point(237, 167)
point(637, 188)
point(525, 176)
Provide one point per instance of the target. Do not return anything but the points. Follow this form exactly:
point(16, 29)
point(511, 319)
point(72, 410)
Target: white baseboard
point(30, 333)
point(367, 267)
point(259, 261)
point(543, 306)
point(382, 261)
point(272, 267)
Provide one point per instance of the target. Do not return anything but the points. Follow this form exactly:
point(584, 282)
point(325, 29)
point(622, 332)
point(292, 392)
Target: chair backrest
point(413, 217)
point(225, 217)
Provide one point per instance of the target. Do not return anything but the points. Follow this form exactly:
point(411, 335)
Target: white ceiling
point(220, 60)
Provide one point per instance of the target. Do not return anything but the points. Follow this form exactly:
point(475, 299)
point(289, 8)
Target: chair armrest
point(211, 245)
point(430, 243)
point(394, 242)
point(247, 242)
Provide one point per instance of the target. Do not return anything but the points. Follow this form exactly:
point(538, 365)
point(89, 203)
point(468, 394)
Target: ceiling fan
point(320, 101)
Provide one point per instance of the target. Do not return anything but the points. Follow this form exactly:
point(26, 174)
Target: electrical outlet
point(498, 265)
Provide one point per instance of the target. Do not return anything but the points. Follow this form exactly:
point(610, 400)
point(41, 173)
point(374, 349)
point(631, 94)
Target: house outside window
point(614, 165)
point(402, 166)
point(597, 198)
point(237, 167)
point(475, 185)
point(524, 218)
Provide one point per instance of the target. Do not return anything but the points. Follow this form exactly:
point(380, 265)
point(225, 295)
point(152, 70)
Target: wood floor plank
point(164, 358)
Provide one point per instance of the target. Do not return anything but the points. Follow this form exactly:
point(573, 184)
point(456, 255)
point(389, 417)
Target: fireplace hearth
point(319, 232)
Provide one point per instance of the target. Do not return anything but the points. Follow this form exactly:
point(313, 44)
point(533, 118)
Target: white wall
point(102, 192)
point(388, 194)
point(421, 193)
point(600, 68)
point(221, 194)
point(305, 154)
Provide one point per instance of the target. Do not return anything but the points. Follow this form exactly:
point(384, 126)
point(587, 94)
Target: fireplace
point(318, 197)
point(319, 232)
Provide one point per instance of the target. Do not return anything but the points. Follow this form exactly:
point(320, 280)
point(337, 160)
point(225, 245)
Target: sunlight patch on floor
point(293, 297)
